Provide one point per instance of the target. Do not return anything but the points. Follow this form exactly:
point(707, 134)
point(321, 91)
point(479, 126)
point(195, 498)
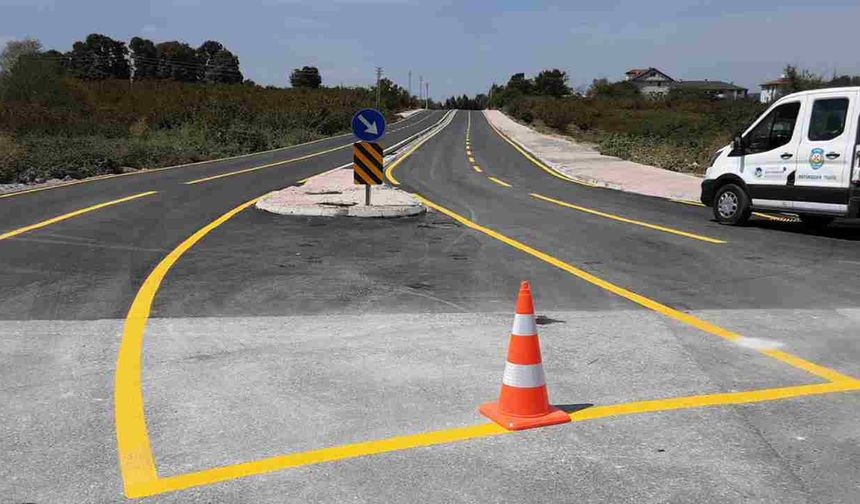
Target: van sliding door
point(825, 153)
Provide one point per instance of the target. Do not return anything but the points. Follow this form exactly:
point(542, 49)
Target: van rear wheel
point(732, 205)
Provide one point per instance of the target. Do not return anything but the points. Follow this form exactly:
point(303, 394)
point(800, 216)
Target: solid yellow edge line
point(389, 171)
point(135, 454)
point(537, 162)
point(375, 447)
point(69, 215)
point(718, 399)
point(627, 220)
point(686, 318)
point(500, 182)
point(270, 165)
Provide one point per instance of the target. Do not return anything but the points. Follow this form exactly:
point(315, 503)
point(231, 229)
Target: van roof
point(848, 89)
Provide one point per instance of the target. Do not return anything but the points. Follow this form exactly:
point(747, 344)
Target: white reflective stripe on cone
point(523, 375)
point(524, 325)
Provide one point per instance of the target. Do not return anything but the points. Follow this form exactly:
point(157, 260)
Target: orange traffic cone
point(523, 402)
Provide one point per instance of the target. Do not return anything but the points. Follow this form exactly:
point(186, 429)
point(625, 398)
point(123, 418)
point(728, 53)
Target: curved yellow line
point(135, 454)
point(536, 162)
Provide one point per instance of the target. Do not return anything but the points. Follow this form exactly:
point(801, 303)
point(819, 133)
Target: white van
point(801, 156)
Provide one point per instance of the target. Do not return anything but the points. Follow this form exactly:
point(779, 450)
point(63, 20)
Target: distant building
point(655, 83)
point(650, 81)
point(773, 90)
point(718, 90)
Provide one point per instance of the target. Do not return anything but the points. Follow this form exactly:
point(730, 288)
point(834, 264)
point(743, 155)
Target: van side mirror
point(738, 145)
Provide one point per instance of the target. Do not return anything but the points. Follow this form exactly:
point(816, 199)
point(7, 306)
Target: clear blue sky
point(461, 47)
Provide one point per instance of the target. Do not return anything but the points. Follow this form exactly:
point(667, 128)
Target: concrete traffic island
point(333, 194)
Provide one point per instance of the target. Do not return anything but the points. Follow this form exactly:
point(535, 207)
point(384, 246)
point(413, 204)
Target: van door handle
point(832, 155)
point(786, 155)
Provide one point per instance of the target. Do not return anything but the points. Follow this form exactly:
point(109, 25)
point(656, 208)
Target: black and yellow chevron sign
point(367, 163)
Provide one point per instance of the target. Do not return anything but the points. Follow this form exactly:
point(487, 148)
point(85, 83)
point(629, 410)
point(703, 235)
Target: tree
point(99, 57)
point(552, 83)
point(801, 80)
point(218, 64)
point(306, 77)
point(36, 78)
point(177, 61)
point(13, 51)
point(144, 58)
point(518, 82)
point(844, 81)
point(602, 88)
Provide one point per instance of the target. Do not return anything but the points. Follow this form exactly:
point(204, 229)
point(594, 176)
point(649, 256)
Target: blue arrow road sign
point(368, 125)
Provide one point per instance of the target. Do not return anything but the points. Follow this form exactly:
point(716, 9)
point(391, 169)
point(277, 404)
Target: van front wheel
point(732, 205)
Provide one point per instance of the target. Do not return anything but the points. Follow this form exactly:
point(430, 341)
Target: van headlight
point(714, 157)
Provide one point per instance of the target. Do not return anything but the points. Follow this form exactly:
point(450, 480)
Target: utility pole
point(410, 84)
point(420, 88)
point(427, 96)
point(378, 89)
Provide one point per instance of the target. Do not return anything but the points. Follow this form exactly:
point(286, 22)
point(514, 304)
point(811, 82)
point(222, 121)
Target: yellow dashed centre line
point(70, 215)
point(478, 169)
point(628, 221)
point(500, 182)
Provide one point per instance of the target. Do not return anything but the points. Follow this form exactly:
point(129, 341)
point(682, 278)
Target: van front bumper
point(708, 192)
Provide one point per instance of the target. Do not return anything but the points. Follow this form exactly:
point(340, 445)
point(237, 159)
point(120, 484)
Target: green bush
point(72, 128)
point(678, 134)
point(10, 153)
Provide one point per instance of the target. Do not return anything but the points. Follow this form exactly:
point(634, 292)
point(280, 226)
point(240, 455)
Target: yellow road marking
point(262, 167)
point(628, 221)
point(432, 438)
point(135, 454)
point(687, 202)
point(69, 215)
point(500, 182)
point(389, 172)
point(197, 163)
point(471, 159)
point(779, 218)
point(536, 162)
point(718, 399)
point(140, 477)
point(478, 169)
point(685, 318)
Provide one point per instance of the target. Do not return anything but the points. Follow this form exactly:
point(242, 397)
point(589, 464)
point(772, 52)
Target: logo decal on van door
point(816, 158)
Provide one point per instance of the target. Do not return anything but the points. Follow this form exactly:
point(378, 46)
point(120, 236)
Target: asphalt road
point(277, 335)
point(90, 267)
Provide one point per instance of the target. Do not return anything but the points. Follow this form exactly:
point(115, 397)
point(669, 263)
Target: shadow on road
point(573, 408)
point(840, 230)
